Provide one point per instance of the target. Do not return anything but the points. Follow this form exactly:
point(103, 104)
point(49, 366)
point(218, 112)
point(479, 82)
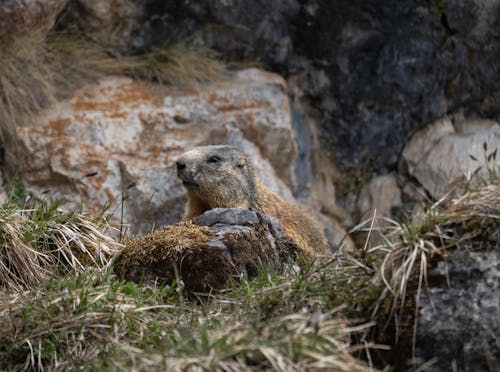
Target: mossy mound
point(207, 253)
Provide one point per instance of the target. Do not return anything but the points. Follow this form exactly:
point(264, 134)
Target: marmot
point(222, 177)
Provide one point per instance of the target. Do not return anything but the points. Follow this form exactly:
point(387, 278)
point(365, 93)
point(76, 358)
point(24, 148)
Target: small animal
point(223, 177)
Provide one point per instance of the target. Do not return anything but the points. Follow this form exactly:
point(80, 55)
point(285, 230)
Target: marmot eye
point(214, 159)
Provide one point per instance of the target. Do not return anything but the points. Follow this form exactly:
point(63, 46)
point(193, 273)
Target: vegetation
point(40, 242)
point(63, 309)
point(466, 219)
point(94, 320)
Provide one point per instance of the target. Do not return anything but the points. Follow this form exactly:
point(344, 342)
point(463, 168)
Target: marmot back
point(222, 177)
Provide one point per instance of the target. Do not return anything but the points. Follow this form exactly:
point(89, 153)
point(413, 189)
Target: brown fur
point(222, 177)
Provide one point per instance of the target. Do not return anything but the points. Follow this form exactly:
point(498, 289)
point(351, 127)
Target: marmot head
point(219, 176)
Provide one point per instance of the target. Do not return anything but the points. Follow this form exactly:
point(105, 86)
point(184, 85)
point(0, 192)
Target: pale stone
point(439, 156)
point(118, 140)
point(379, 196)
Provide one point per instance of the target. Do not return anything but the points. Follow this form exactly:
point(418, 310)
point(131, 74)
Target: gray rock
point(381, 194)
point(228, 216)
point(439, 155)
point(371, 73)
point(459, 314)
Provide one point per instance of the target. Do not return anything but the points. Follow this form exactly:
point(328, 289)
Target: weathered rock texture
point(222, 245)
point(29, 16)
point(109, 22)
point(119, 139)
point(442, 154)
point(379, 196)
point(459, 314)
point(449, 315)
point(370, 72)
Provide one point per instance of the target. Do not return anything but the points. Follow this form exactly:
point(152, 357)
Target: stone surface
point(440, 155)
point(381, 194)
point(109, 22)
point(119, 139)
point(29, 16)
point(369, 73)
point(459, 314)
point(223, 245)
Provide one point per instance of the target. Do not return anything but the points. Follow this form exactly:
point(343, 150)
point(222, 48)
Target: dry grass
point(40, 243)
point(62, 308)
point(397, 256)
point(96, 322)
point(471, 219)
point(36, 71)
point(177, 65)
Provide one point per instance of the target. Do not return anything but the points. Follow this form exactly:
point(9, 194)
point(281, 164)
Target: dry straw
point(37, 244)
point(468, 221)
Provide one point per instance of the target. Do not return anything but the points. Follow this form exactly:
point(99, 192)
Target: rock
point(109, 22)
point(231, 216)
point(439, 155)
point(117, 141)
point(222, 245)
point(370, 73)
point(459, 314)
point(29, 16)
point(381, 194)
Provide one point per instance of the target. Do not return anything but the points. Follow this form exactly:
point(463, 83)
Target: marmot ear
point(240, 163)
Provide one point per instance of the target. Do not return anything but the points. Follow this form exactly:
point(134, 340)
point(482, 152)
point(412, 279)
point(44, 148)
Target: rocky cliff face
point(370, 73)
point(116, 142)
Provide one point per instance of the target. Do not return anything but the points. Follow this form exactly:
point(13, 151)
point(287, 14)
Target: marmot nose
point(180, 166)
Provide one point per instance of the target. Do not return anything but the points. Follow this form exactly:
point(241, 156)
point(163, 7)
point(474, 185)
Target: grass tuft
point(468, 221)
point(41, 242)
point(177, 65)
point(95, 321)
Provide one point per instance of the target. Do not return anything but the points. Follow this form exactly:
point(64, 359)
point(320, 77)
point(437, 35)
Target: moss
point(438, 6)
point(203, 258)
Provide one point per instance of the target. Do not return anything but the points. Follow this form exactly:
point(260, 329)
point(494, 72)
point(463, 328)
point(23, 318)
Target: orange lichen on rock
point(127, 96)
point(241, 107)
point(59, 125)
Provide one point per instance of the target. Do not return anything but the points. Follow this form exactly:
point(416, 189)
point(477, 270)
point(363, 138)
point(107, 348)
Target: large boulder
point(116, 142)
point(442, 154)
